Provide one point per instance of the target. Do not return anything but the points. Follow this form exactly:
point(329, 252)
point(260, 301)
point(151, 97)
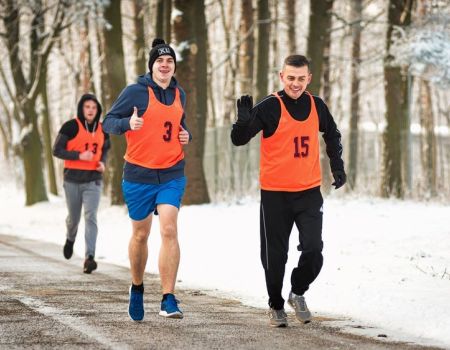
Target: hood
point(146, 80)
point(80, 114)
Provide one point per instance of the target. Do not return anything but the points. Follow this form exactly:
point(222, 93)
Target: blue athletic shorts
point(142, 199)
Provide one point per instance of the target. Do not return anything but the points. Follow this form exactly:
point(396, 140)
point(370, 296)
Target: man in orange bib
point(83, 145)
point(151, 115)
point(290, 180)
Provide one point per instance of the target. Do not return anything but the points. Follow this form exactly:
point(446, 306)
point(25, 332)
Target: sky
point(386, 262)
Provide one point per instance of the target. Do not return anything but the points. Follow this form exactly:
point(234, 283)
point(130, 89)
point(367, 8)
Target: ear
point(309, 78)
point(281, 75)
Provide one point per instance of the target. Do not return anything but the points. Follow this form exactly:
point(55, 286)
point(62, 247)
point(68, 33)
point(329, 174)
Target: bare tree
point(46, 130)
point(291, 17)
point(190, 28)
point(428, 138)
point(262, 44)
point(163, 28)
point(319, 26)
point(396, 96)
point(356, 18)
point(140, 63)
point(26, 87)
point(114, 83)
point(246, 49)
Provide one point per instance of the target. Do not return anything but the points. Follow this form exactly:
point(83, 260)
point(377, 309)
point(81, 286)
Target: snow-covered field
point(386, 262)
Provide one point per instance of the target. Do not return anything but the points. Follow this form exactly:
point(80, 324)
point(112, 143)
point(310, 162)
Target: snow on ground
point(386, 262)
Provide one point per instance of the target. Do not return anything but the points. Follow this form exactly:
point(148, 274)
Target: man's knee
point(140, 235)
point(169, 231)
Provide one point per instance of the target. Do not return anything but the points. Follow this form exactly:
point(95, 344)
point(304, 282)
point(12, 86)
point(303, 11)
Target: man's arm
point(105, 148)
point(67, 132)
point(332, 138)
point(117, 120)
point(331, 135)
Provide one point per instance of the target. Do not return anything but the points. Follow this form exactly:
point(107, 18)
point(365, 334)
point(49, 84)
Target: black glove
point(339, 178)
point(244, 106)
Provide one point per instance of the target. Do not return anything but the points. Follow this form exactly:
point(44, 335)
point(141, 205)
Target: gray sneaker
point(278, 318)
point(298, 303)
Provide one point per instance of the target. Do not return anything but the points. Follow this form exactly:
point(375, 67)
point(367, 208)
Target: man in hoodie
point(83, 145)
point(151, 115)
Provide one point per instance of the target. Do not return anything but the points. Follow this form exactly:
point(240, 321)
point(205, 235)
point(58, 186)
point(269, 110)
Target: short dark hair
point(296, 61)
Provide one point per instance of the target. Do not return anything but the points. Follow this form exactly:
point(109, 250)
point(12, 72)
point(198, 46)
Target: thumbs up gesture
point(136, 122)
point(183, 136)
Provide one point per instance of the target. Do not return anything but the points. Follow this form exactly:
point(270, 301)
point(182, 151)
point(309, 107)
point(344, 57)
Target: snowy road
point(47, 302)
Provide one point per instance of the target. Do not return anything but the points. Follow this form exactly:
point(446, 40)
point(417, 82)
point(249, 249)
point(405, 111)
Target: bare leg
point(138, 249)
point(169, 254)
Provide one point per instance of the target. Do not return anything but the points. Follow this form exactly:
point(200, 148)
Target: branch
point(13, 98)
point(42, 58)
point(232, 50)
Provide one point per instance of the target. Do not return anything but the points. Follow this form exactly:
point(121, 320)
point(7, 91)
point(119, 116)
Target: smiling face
point(89, 110)
point(295, 80)
point(163, 69)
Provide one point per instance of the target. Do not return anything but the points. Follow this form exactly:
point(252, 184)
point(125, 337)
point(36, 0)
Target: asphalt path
point(47, 302)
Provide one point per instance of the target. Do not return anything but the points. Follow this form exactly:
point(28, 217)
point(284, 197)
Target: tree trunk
point(428, 139)
point(263, 43)
point(354, 101)
point(46, 130)
point(31, 147)
point(115, 82)
point(246, 49)
point(291, 16)
point(140, 63)
point(32, 160)
point(163, 23)
point(396, 96)
point(320, 49)
point(319, 26)
point(86, 83)
point(190, 27)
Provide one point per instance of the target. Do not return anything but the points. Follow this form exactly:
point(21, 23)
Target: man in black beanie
point(151, 115)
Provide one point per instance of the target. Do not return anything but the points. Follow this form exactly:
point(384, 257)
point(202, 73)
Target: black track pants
point(279, 211)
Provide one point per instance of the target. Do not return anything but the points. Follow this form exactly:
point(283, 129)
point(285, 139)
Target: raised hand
point(183, 136)
point(136, 122)
point(244, 107)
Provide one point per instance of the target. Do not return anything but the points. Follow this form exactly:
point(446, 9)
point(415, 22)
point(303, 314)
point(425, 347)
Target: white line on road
point(73, 322)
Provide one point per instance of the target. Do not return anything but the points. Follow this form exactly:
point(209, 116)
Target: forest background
point(382, 67)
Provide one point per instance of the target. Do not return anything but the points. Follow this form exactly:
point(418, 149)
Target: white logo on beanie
point(163, 51)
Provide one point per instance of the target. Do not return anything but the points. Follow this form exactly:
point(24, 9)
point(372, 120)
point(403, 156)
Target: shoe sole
point(299, 319)
point(176, 314)
point(282, 325)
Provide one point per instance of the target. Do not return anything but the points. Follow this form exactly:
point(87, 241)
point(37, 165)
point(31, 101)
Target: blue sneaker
point(169, 307)
point(136, 306)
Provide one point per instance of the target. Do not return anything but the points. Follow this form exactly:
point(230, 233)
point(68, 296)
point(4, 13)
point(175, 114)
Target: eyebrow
point(293, 76)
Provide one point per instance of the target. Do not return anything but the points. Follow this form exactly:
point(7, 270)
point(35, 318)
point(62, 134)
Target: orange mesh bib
point(156, 144)
point(290, 157)
point(86, 141)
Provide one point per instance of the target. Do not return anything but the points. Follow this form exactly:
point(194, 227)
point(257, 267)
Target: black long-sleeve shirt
point(266, 116)
point(67, 132)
